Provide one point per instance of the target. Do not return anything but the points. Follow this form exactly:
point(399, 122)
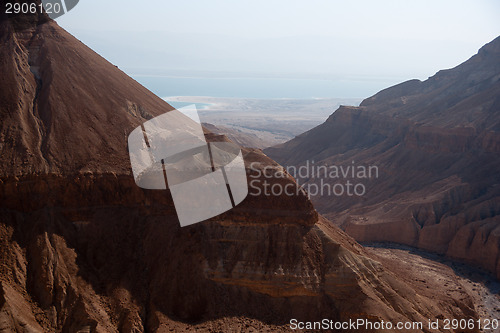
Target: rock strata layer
point(436, 144)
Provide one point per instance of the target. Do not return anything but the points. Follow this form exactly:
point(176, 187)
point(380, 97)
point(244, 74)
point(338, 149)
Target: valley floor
point(428, 272)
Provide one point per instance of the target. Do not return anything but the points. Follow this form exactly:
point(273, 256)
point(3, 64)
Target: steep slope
point(82, 248)
point(437, 148)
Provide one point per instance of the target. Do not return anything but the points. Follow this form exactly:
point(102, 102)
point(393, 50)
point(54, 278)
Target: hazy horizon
point(354, 49)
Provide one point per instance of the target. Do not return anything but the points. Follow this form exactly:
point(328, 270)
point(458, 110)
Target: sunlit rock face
point(436, 144)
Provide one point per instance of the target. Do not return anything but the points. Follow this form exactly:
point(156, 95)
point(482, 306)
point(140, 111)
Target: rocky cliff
point(436, 144)
point(83, 249)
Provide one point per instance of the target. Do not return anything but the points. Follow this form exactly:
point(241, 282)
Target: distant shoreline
point(217, 103)
point(272, 120)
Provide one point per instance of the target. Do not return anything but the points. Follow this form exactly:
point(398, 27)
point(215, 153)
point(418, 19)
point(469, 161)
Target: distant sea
point(264, 88)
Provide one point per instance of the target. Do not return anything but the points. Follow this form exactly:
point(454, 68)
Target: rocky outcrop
point(436, 145)
point(237, 136)
point(98, 253)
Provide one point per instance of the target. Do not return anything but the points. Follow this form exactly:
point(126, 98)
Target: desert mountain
point(82, 248)
point(436, 144)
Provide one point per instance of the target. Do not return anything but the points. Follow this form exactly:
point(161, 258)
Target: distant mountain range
point(437, 147)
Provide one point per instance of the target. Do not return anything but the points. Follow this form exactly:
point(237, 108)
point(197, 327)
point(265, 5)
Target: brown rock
point(436, 145)
point(84, 249)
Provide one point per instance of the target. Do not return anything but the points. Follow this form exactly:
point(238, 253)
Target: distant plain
point(272, 121)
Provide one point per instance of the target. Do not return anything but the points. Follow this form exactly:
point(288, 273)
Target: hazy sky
point(362, 39)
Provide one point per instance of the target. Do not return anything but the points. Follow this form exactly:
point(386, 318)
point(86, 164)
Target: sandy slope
point(429, 272)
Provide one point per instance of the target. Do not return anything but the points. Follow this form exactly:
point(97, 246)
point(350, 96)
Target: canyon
point(84, 249)
point(436, 144)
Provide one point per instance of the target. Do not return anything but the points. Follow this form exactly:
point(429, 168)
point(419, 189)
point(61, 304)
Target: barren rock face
point(82, 248)
point(436, 145)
